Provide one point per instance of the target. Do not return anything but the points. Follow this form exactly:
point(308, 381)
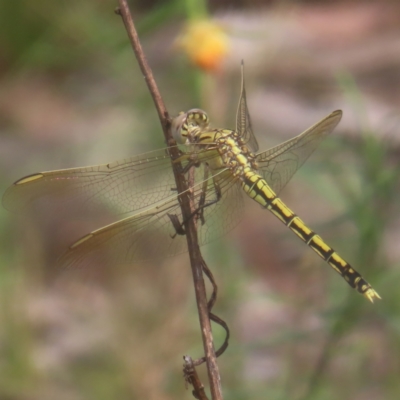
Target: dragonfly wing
point(150, 234)
point(243, 121)
point(142, 236)
point(225, 214)
point(278, 164)
point(124, 186)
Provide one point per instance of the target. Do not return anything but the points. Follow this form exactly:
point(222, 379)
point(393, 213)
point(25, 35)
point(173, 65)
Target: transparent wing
point(125, 186)
point(144, 185)
point(226, 213)
point(145, 235)
point(151, 234)
point(278, 164)
point(243, 121)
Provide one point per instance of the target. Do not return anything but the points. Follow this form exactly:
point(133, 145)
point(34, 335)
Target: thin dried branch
point(214, 317)
point(191, 377)
point(196, 260)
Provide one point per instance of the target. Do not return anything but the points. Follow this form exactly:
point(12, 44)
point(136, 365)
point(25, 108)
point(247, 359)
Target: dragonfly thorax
point(234, 153)
point(192, 127)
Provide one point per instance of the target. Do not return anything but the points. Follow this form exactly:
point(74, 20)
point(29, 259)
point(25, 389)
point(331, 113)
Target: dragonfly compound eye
point(187, 126)
point(179, 133)
point(198, 116)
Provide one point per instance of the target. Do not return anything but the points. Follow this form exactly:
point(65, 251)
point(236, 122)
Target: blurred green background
point(71, 94)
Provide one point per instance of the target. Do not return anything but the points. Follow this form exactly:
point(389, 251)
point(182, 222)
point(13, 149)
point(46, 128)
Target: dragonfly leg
point(179, 230)
point(202, 201)
point(192, 160)
point(202, 204)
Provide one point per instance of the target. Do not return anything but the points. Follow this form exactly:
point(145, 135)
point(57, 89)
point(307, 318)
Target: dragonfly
point(220, 167)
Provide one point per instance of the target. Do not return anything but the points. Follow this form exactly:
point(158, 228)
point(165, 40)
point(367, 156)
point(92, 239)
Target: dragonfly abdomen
point(258, 189)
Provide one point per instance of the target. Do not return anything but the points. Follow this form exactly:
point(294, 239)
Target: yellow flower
point(205, 43)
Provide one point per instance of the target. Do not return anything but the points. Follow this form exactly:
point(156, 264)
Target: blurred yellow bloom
point(205, 43)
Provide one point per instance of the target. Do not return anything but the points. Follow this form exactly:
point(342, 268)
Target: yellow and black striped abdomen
point(258, 189)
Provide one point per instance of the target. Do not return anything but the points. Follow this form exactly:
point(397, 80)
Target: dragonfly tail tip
point(371, 294)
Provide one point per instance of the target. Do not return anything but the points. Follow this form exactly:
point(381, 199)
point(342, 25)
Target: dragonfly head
point(188, 125)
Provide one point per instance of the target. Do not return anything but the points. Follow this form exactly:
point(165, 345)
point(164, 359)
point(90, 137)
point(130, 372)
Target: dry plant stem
point(191, 377)
point(189, 223)
point(214, 317)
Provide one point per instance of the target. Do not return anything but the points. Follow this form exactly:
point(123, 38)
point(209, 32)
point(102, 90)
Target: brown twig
point(214, 317)
point(189, 223)
point(191, 377)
